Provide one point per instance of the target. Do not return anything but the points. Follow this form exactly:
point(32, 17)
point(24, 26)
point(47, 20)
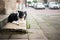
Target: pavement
point(44, 25)
point(48, 21)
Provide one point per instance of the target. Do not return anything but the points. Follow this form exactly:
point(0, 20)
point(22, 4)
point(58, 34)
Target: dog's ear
point(18, 11)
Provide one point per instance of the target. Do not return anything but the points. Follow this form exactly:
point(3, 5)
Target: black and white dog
point(14, 16)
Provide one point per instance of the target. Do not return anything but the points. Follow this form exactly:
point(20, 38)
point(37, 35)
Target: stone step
point(3, 20)
point(21, 25)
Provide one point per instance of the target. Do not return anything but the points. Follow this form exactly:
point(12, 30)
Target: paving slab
point(36, 34)
point(3, 39)
point(37, 31)
point(18, 39)
point(37, 39)
point(4, 36)
point(19, 36)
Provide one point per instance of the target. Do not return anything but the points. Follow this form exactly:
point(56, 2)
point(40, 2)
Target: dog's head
point(21, 14)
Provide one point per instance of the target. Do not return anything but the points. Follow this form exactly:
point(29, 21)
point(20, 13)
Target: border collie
point(14, 17)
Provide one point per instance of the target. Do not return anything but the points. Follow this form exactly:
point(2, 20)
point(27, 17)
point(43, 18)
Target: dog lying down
point(17, 18)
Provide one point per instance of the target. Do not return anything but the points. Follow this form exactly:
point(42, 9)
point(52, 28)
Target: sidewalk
point(42, 27)
point(34, 33)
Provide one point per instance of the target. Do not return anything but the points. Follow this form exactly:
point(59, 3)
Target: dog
point(22, 14)
point(14, 17)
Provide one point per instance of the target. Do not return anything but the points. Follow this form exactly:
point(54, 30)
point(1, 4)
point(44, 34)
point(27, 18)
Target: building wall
point(41, 1)
point(21, 5)
point(49, 0)
point(2, 7)
point(45, 0)
point(53, 0)
point(58, 0)
point(10, 6)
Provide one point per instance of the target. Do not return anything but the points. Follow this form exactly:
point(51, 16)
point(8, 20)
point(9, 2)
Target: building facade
point(45, 1)
point(10, 5)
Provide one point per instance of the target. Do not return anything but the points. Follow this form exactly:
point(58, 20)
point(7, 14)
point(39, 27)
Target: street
point(48, 20)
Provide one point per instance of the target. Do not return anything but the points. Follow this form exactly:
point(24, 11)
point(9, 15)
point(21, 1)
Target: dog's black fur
point(12, 17)
point(21, 14)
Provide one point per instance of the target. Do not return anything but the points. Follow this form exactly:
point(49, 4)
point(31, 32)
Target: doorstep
point(3, 20)
point(22, 25)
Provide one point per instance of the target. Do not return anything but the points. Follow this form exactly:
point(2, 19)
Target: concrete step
point(3, 20)
point(21, 25)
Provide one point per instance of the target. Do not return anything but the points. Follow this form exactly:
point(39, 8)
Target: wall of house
point(58, 0)
point(53, 0)
point(2, 7)
point(41, 1)
point(49, 0)
point(10, 6)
